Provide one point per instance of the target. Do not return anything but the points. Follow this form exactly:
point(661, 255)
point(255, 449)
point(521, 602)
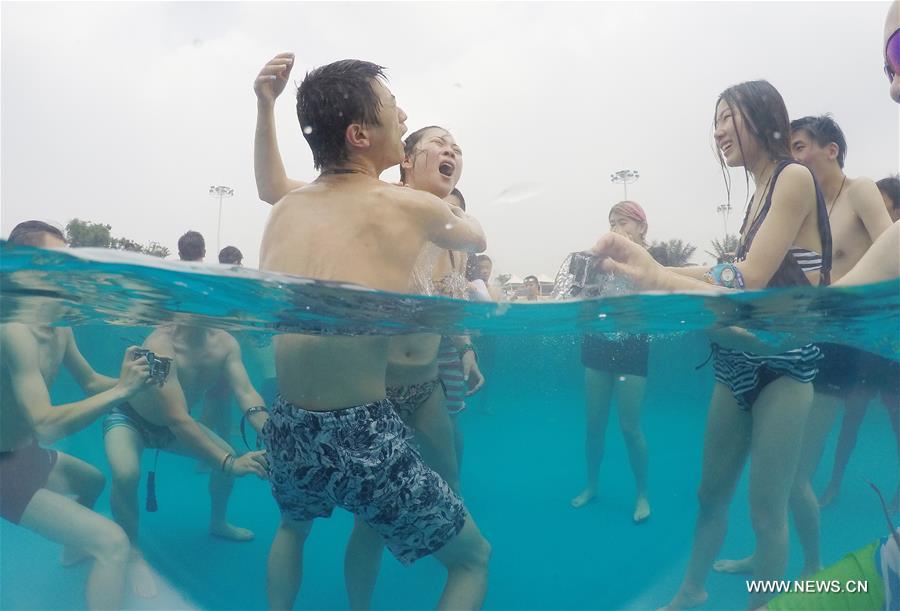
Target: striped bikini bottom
point(746, 374)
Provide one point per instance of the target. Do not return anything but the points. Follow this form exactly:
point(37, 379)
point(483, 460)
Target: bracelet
point(253, 410)
point(229, 468)
point(225, 460)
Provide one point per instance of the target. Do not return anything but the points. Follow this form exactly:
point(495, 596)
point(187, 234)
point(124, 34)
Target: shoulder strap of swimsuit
point(762, 214)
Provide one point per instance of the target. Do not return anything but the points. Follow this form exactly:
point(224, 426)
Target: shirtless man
point(427, 376)
point(857, 217)
point(332, 422)
point(160, 419)
point(37, 486)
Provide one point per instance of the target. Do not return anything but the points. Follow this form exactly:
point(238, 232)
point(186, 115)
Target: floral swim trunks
point(408, 399)
point(360, 459)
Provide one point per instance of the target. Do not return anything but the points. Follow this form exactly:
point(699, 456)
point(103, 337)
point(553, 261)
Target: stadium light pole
point(724, 210)
point(220, 192)
point(625, 178)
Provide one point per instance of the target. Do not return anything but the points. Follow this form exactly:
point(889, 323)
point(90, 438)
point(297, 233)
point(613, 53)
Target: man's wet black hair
point(766, 117)
point(191, 246)
point(329, 100)
point(823, 130)
point(31, 233)
point(230, 255)
point(527, 278)
point(890, 186)
point(409, 146)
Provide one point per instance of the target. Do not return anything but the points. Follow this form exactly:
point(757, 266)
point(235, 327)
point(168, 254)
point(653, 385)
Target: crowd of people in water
point(369, 423)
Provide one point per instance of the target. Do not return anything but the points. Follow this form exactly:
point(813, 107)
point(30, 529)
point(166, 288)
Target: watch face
point(728, 275)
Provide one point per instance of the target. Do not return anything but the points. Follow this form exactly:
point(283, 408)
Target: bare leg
point(285, 564)
point(854, 412)
point(362, 562)
point(65, 521)
point(466, 557)
point(598, 387)
point(803, 501)
point(891, 401)
point(123, 451)
point(73, 477)
point(725, 447)
point(779, 418)
point(220, 487)
point(434, 432)
point(458, 442)
point(216, 415)
point(630, 402)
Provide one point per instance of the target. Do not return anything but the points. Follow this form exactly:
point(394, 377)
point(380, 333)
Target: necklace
point(759, 201)
point(331, 171)
point(834, 201)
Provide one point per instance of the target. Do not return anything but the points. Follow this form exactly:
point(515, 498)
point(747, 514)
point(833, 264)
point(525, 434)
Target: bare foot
point(641, 510)
point(586, 496)
point(685, 600)
point(744, 565)
point(232, 533)
point(72, 556)
point(829, 495)
point(142, 579)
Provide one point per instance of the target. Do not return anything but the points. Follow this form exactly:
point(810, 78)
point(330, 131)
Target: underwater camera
point(578, 276)
point(159, 365)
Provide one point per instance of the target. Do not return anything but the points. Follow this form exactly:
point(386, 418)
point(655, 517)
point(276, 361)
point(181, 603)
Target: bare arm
point(243, 389)
point(89, 380)
point(49, 422)
point(790, 207)
point(272, 182)
point(692, 271)
point(446, 225)
point(869, 207)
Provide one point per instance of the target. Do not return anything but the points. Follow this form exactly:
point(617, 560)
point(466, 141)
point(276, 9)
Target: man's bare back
point(356, 229)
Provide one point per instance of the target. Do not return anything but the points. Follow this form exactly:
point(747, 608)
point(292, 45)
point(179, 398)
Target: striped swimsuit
point(745, 373)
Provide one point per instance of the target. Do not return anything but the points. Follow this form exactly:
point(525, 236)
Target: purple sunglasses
point(892, 56)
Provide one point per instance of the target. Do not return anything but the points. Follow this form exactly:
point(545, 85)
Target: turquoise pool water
point(524, 436)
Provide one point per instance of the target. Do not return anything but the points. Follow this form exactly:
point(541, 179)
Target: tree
point(81, 234)
point(672, 253)
point(125, 244)
point(155, 249)
point(724, 250)
point(87, 234)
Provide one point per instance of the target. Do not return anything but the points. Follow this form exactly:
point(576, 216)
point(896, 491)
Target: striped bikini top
point(798, 261)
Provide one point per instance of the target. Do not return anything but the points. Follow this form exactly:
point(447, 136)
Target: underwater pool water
point(524, 437)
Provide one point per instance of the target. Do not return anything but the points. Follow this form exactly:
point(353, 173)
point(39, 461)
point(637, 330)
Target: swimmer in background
point(612, 365)
point(160, 419)
point(47, 491)
point(882, 376)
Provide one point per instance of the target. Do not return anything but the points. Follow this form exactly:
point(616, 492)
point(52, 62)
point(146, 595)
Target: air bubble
point(601, 316)
point(776, 135)
point(621, 378)
point(307, 130)
point(448, 226)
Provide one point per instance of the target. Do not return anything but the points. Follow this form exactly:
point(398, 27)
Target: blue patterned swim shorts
point(360, 459)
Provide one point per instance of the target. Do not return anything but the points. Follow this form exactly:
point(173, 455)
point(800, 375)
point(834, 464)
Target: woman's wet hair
point(409, 146)
point(31, 233)
point(890, 186)
point(823, 130)
point(330, 99)
point(766, 118)
point(191, 246)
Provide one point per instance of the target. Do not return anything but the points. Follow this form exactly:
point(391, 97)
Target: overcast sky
point(126, 113)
